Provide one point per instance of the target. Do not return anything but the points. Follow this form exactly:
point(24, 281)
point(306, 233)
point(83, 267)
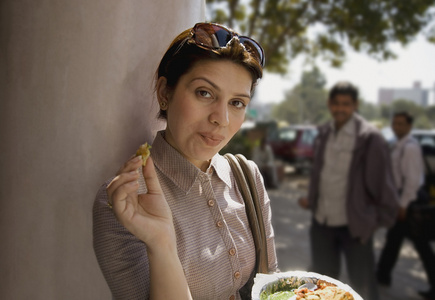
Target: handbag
point(246, 183)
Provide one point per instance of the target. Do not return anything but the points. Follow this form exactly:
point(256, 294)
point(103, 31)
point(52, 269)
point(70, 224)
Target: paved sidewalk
point(291, 225)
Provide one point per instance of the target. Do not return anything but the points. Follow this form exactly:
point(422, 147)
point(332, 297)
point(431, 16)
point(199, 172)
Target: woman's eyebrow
point(218, 88)
point(207, 80)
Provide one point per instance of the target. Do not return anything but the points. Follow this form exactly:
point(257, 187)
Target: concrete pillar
point(75, 102)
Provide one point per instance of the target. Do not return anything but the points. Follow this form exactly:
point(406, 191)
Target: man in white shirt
point(408, 172)
point(351, 192)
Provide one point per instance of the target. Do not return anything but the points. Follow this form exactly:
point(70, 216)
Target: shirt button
point(211, 202)
point(232, 297)
point(232, 251)
point(219, 224)
point(237, 275)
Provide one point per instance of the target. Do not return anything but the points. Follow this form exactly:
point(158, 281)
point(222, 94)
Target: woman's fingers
point(132, 164)
point(120, 180)
point(150, 176)
point(123, 191)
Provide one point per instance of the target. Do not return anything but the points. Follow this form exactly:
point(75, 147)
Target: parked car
point(294, 144)
point(426, 138)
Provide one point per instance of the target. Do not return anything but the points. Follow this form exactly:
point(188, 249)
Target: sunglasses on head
point(213, 36)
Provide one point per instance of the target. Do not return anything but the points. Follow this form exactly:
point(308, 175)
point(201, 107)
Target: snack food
point(303, 285)
point(324, 292)
point(144, 151)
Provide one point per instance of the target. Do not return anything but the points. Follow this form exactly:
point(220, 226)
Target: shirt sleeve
point(122, 257)
point(411, 170)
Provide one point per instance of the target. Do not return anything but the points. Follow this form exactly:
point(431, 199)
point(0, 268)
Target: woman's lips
point(212, 140)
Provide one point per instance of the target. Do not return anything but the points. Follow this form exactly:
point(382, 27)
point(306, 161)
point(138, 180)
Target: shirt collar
point(222, 167)
point(169, 161)
point(403, 140)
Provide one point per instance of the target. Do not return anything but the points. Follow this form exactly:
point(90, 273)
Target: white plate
point(263, 281)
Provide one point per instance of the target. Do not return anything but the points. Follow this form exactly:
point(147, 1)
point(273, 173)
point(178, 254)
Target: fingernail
point(137, 158)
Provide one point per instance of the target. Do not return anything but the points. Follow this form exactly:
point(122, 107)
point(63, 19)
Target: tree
point(288, 28)
point(306, 102)
point(423, 117)
point(368, 110)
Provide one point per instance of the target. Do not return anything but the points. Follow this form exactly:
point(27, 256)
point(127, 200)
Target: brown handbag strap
point(247, 187)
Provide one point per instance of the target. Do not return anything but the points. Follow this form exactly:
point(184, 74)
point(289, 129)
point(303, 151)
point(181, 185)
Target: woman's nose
point(219, 115)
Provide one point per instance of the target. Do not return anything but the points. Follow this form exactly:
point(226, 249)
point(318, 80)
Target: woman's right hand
point(147, 216)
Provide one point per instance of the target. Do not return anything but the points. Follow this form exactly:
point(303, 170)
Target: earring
point(163, 105)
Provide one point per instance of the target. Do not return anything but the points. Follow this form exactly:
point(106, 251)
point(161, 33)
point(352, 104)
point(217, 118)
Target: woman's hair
point(182, 56)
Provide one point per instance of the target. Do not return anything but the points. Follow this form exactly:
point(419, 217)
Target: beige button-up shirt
point(334, 176)
point(215, 244)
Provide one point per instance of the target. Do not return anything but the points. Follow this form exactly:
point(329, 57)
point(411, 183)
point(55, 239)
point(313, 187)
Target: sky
point(414, 62)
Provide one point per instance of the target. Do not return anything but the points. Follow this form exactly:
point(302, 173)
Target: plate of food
point(300, 285)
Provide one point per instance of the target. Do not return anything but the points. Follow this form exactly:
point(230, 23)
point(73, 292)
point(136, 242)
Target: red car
point(294, 144)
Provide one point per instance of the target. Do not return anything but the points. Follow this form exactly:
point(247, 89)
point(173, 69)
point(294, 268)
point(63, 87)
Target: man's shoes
point(429, 295)
point(383, 280)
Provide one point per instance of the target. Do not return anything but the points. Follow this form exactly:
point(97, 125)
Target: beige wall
point(75, 102)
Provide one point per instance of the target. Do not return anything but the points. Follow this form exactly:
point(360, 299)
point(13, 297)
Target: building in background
point(416, 94)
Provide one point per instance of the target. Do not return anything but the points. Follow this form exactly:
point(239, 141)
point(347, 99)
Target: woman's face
point(206, 109)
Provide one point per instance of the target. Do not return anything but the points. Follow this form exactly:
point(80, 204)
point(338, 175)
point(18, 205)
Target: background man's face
point(400, 126)
point(342, 108)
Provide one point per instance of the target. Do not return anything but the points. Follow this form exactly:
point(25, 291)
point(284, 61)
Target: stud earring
point(163, 105)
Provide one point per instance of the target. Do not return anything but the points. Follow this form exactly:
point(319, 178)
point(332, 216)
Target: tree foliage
point(306, 102)
point(288, 28)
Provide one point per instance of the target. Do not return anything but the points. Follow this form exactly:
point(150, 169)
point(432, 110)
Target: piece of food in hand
point(144, 151)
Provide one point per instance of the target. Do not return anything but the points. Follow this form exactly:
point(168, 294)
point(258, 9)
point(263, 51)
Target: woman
point(181, 229)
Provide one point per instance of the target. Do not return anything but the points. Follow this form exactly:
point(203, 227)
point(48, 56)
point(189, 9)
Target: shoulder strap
point(247, 187)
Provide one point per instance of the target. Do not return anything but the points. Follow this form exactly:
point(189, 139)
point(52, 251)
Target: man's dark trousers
point(327, 244)
point(390, 253)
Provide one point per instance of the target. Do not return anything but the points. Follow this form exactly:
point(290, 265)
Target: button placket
point(221, 225)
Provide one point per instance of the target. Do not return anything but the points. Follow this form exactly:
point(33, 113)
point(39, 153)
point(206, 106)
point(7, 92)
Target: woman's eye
point(204, 94)
point(238, 104)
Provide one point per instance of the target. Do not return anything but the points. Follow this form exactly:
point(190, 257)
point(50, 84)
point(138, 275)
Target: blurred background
point(385, 48)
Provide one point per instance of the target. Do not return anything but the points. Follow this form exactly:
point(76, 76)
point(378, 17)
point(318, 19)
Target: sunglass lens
point(223, 35)
point(253, 47)
point(212, 36)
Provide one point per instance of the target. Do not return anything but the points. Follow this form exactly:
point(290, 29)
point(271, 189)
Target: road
point(291, 224)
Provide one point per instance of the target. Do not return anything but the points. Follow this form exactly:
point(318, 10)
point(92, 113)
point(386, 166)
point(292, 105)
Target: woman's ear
point(162, 91)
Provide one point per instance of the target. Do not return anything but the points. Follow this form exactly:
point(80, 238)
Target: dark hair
point(344, 88)
point(182, 56)
point(409, 119)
